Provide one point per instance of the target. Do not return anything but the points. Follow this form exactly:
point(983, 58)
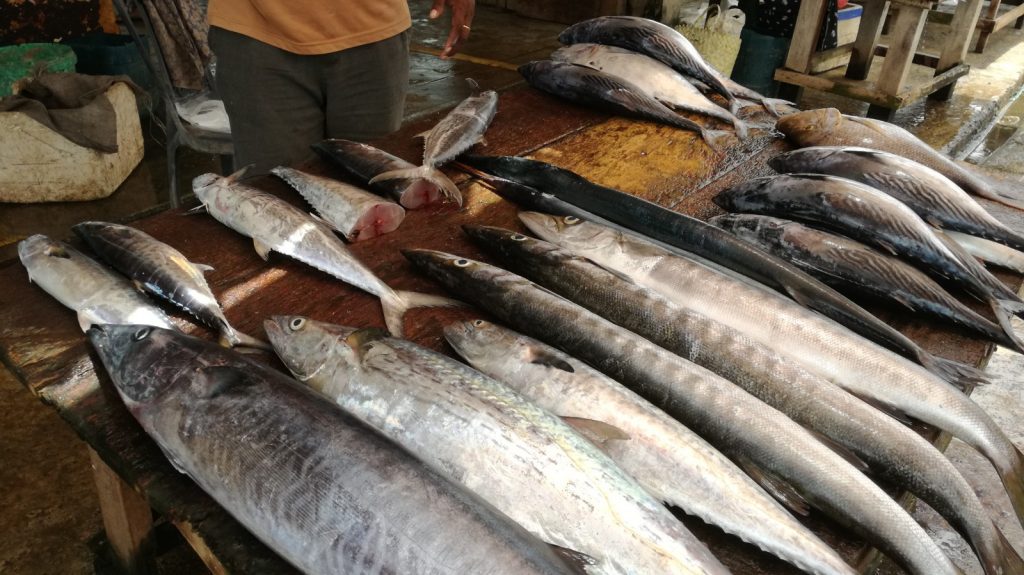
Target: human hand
point(462, 18)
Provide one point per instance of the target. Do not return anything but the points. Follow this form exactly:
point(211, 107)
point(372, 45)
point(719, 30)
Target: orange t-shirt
point(312, 26)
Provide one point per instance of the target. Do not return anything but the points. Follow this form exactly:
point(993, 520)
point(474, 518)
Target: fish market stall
point(41, 342)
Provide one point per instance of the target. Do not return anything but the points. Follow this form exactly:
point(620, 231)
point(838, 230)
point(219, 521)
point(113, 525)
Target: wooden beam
point(961, 28)
point(906, 33)
point(805, 35)
point(865, 91)
point(920, 58)
point(127, 519)
point(867, 38)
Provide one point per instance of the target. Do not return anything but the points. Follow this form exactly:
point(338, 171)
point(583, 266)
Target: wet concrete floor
point(49, 517)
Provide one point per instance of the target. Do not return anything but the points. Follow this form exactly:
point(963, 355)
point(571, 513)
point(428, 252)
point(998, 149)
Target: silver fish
point(731, 419)
point(819, 344)
point(457, 132)
point(989, 251)
point(354, 213)
point(275, 225)
point(481, 434)
point(163, 271)
point(656, 79)
point(673, 463)
point(96, 294)
point(324, 490)
point(364, 162)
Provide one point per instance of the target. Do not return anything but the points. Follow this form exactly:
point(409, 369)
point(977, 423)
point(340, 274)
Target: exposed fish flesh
point(722, 248)
point(898, 454)
point(356, 214)
point(324, 490)
point(819, 344)
point(653, 39)
point(654, 78)
point(673, 463)
point(931, 195)
point(457, 132)
point(728, 417)
point(989, 251)
point(830, 127)
point(851, 265)
point(275, 225)
point(163, 271)
point(521, 459)
point(595, 88)
point(96, 294)
point(365, 162)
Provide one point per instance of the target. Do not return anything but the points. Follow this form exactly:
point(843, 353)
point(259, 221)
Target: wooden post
point(127, 519)
point(867, 38)
point(906, 32)
point(964, 21)
point(983, 34)
point(805, 35)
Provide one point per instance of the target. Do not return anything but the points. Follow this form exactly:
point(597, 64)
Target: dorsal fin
point(546, 358)
point(576, 561)
point(597, 432)
point(779, 488)
point(221, 379)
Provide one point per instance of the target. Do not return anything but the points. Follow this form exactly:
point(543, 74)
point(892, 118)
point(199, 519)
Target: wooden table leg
point(962, 27)
point(905, 35)
point(805, 35)
point(127, 519)
point(983, 34)
point(867, 38)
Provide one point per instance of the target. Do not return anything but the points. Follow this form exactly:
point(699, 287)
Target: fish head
point(805, 128)
point(204, 185)
point(584, 52)
point(531, 69)
point(38, 248)
point(734, 198)
point(749, 226)
point(569, 35)
point(86, 230)
point(458, 274)
point(570, 232)
point(143, 361)
point(514, 246)
point(477, 339)
point(310, 348)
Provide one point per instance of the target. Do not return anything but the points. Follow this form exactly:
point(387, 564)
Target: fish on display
point(365, 162)
point(989, 251)
point(718, 246)
point(728, 417)
point(457, 132)
point(866, 214)
point(653, 39)
point(654, 78)
point(521, 459)
point(745, 93)
point(356, 214)
point(595, 88)
point(891, 449)
point(275, 225)
point(96, 294)
point(830, 127)
point(848, 264)
point(931, 195)
point(670, 461)
point(324, 490)
point(819, 344)
point(163, 271)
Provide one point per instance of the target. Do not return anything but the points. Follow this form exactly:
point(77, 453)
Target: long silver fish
point(849, 265)
point(898, 454)
point(457, 132)
point(656, 79)
point(990, 252)
point(96, 294)
point(673, 463)
point(830, 127)
point(324, 490)
point(481, 434)
point(275, 225)
point(163, 271)
point(731, 419)
point(653, 39)
point(819, 344)
point(356, 214)
point(931, 195)
point(365, 162)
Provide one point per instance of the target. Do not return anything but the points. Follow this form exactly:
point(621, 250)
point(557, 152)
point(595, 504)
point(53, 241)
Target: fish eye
point(297, 324)
point(462, 263)
point(571, 220)
point(478, 323)
point(141, 334)
point(518, 237)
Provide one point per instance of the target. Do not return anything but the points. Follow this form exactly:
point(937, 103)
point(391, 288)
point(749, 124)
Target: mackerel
point(989, 251)
point(476, 431)
point(364, 162)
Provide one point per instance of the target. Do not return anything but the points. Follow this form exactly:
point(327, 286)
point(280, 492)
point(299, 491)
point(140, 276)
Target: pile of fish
point(644, 69)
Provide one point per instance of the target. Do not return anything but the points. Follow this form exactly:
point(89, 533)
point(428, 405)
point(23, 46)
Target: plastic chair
point(179, 132)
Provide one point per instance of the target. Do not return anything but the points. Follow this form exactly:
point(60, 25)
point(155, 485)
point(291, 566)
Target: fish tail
point(742, 130)
point(231, 338)
point(958, 374)
point(771, 104)
point(1009, 338)
point(1013, 483)
point(431, 174)
point(717, 140)
point(1014, 307)
point(396, 303)
point(999, 557)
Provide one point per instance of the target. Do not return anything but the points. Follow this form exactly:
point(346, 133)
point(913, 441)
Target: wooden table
point(889, 92)
point(993, 22)
point(41, 343)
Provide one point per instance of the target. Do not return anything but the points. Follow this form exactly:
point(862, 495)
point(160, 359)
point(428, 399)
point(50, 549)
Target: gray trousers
point(279, 103)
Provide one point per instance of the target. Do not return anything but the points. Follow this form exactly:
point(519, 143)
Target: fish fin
point(57, 251)
point(203, 268)
point(482, 141)
point(840, 450)
point(396, 303)
point(1000, 558)
point(717, 140)
point(359, 338)
point(742, 130)
point(138, 286)
point(959, 375)
point(431, 174)
point(262, 249)
point(546, 358)
point(1006, 325)
point(86, 319)
point(888, 410)
point(232, 338)
point(771, 104)
point(473, 85)
point(221, 379)
point(597, 432)
point(576, 561)
point(1014, 307)
point(423, 134)
point(1013, 483)
point(200, 209)
point(237, 175)
point(902, 299)
point(779, 488)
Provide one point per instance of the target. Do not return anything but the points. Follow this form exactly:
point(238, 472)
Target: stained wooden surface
point(41, 343)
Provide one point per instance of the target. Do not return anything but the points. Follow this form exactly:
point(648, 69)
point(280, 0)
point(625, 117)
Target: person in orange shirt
point(293, 73)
